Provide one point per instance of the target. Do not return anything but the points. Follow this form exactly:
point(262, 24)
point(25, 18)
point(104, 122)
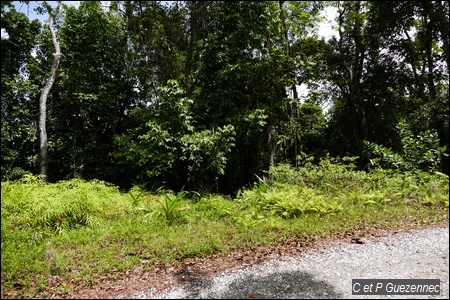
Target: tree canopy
point(204, 94)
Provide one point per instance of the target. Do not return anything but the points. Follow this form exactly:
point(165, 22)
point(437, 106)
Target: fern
point(65, 205)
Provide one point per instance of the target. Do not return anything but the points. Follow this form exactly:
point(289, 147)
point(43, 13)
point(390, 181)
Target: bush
point(420, 152)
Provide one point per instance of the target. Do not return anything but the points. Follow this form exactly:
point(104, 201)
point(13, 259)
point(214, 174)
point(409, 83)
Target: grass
point(81, 232)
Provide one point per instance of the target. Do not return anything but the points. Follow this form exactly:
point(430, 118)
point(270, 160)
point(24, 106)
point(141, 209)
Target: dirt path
point(328, 274)
point(198, 278)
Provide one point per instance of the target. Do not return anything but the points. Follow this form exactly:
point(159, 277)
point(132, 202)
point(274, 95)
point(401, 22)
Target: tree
point(417, 45)
point(304, 51)
point(18, 91)
point(198, 26)
point(157, 43)
point(350, 66)
point(89, 103)
point(164, 148)
point(43, 141)
point(242, 80)
point(387, 64)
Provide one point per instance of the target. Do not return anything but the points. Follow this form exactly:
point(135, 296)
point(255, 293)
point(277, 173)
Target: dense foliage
point(204, 94)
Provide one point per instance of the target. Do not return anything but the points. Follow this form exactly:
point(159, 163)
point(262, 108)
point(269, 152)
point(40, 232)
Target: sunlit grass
point(84, 231)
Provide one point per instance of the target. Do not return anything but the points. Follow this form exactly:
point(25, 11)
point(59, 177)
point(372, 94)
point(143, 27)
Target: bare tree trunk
point(271, 148)
point(44, 94)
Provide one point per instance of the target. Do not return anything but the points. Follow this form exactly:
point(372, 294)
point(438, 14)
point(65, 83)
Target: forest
point(204, 95)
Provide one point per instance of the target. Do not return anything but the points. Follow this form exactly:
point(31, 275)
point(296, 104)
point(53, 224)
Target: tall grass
point(79, 231)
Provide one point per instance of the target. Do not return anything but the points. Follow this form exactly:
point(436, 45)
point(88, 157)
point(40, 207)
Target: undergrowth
point(82, 230)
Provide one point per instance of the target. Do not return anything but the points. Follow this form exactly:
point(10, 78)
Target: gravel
point(418, 254)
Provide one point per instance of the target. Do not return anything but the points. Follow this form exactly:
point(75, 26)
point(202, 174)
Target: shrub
point(418, 152)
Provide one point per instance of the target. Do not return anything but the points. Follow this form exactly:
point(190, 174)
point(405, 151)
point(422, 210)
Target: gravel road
point(418, 254)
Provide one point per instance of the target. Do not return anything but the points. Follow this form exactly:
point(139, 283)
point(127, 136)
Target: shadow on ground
point(284, 285)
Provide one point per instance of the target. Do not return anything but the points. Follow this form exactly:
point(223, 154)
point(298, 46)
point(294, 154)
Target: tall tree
point(18, 91)
point(157, 40)
point(300, 20)
point(352, 55)
point(198, 26)
point(93, 94)
point(43, 140)
point(243, 81)
point(416, 44)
